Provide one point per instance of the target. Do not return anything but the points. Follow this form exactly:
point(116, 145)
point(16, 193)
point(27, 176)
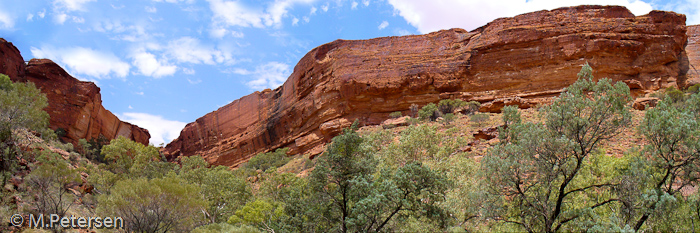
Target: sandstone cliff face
point(528, 58)
point(74, 105)
point(693, 51)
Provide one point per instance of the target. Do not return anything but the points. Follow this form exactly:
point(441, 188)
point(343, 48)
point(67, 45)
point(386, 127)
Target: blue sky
point(163, 63)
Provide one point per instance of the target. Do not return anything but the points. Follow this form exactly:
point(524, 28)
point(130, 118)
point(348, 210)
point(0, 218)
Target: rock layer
point(531, 56)
point(693, 51)
point(74, 105)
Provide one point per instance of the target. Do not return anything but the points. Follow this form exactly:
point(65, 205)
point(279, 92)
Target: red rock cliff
point(520, 60)
point(74, 105)
point(693, 51)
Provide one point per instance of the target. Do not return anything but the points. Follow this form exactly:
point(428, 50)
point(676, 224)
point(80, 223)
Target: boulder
point(395, 122)
point(644, 102)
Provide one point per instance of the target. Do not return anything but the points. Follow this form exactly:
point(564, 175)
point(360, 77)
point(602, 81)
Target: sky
point(163, 63)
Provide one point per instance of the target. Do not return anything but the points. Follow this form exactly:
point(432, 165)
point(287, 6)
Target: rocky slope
point(523, 60)
point(74, 105)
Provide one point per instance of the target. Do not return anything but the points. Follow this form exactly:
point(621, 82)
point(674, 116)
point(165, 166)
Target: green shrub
point(693, 89)
point(448, 105)
point(396, 114)
point(472, 107)
point(429, 112)
point(675, 94)
point(448, 118)
point(479, 118)
point(268, 160)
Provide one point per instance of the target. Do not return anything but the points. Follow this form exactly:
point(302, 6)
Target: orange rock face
point(531, 56)
point(693, 51)
point(74, 105)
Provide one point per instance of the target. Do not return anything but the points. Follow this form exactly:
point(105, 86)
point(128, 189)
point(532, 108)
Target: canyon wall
point(523, 60)
point(75, 106)
point(693, 53)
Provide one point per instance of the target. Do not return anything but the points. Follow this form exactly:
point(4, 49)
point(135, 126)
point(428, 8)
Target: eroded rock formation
point(693, 51)
point(531, 56)
point(74, 105)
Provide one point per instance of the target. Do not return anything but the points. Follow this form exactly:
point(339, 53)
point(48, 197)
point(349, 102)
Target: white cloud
point(402, 32)
point(60, 18)
point(324, 8)
point(190, 50)
point(175, 1)
point(383, 25)
point(188, 71)
point(237, 34)
point(71, 5)
point(354, 5)
point(306, 19)
point(139, 93)
point(162, 130)
point(270, 75)
point(148, 65)
point(218, 32)
point(235, 13)
point(429, 16)
point(30, 17)
point(131, 107)
point(295, 21)
point(6, 21)
point(79, 60)
point(151, 9)
point(197, 81)
point(365, 2)
point(77, 19)
point(313, 11)
point(42, 13)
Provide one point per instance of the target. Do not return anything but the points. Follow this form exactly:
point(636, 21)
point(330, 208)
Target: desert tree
point(535, 175)
point(672, 156)
point(21, 107)
point(49, 182)
point(353, 195)
point(167, 204)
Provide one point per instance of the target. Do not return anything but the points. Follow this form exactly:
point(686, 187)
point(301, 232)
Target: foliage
point(693, 89)
point(674, 95)
point(534, 178)
point(124, 156)
point(260, 213)
point(396, 114)
point(352, 196)
point(156, 205)
point(225, 228)
point(21, 106)
point(479, 118)
point(448, 118)
point(48, 182)
point(429, 112)
point(450, 105)
point(418, 143)
point(472, 107)
point(268, 160)
point(223, 191)
point(673, 133)
point(92, 148)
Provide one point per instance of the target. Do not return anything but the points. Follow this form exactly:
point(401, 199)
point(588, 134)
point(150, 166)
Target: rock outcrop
point(693, 51)
point(531, 56)
point(74, 105)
